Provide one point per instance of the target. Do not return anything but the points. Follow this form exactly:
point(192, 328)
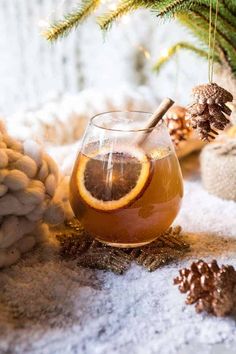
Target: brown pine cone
point(211, 288)
point(209, 105)
point(178, 126)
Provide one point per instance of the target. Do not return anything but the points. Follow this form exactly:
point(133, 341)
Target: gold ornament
point(76, 243)
point(209, 110)
point(178, 125)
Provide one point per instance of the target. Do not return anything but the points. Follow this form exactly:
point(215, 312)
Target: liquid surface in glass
point(125, 197)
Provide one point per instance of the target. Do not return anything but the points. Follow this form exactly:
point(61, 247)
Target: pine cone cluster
point(210, 287)
point(209, 110)
point(178, 126)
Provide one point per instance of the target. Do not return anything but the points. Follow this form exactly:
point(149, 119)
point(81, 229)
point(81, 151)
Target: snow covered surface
point(50, 306)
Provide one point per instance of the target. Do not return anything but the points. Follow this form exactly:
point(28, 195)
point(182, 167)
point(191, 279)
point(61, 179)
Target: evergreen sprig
point(198, 23)
point(71, 20)
point(193, 14)
point(174, 49)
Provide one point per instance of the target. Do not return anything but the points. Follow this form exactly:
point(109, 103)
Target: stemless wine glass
point(126, 186)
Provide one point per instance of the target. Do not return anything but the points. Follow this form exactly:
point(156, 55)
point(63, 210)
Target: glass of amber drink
point(126, 186)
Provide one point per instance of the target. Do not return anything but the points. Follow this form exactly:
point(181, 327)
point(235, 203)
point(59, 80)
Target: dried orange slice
point(112, 180)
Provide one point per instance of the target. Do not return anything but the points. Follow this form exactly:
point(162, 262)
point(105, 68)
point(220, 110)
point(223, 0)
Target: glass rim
point(158, 125)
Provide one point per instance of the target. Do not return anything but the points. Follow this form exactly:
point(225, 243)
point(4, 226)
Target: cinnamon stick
point(155, 118)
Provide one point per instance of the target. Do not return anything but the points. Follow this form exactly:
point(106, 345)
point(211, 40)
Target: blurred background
point(34, 72)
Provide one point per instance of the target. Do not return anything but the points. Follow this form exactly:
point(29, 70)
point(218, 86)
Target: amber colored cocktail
point(123, 194)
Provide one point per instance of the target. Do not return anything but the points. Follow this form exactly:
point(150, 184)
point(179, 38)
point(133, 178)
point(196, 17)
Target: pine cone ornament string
point(209, 110)
point(210, 287)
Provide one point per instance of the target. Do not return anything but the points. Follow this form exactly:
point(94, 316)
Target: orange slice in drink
point(108, 181)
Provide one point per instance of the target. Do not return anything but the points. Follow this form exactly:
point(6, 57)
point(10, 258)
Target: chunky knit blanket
point(48, 305)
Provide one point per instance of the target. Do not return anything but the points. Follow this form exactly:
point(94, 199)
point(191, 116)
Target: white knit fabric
point(63, 120)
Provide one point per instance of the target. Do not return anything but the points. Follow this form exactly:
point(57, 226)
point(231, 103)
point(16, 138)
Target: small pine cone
point(209, 106)
point(178, 124)
point(209, 287)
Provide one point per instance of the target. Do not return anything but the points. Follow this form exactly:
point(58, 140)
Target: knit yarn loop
point(30, 196)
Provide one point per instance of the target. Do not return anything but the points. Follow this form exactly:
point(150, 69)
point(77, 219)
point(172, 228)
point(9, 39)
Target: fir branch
point(220, 33)
point(199, 25)
point(71, 20)
point(174, 49)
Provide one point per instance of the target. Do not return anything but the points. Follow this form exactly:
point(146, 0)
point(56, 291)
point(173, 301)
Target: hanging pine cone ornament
point(210, 287)
point(178, 124)
point(209, 110)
